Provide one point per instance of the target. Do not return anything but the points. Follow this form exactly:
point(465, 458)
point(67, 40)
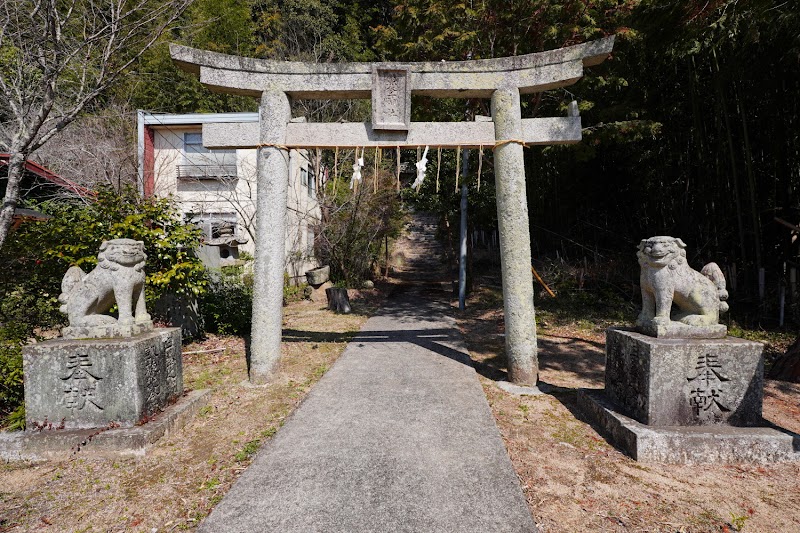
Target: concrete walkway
point(396, 437)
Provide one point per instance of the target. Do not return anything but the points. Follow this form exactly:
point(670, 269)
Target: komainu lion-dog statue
point(667, 279)
point(118, 278)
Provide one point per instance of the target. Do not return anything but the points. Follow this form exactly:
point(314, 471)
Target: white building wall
point(208, 196)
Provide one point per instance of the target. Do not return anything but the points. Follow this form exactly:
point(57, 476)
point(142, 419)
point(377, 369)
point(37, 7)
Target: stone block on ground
point(685, 382)
point(686, 401)
point(60, 444)
point(318, 294)
point(688, 444)
point(91, 383)
point(318, 276)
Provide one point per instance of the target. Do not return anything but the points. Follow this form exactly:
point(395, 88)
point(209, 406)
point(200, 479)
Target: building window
point(201, 163)
point(308, 181)
point(312, 185)
point(193, 144)
point(310, 236)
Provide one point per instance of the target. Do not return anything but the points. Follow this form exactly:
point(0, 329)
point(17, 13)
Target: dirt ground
point(175, 486)
point(575, 481)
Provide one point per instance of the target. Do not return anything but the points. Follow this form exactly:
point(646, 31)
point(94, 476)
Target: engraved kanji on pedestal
point(707, 384)
point(80, 382)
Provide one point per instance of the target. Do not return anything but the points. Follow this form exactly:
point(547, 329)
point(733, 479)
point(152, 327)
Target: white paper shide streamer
point(357, 166)
point(422, 166)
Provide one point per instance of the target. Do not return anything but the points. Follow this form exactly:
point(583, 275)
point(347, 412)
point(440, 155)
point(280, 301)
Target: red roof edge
point(49, 175)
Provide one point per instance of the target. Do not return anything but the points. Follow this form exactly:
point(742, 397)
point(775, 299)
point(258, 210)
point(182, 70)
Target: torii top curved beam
point(459, 79)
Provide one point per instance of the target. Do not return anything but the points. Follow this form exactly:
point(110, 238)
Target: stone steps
point(421, 254)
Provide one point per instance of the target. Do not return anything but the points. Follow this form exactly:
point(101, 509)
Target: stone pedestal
point(686, 401)
point(91, 383)
point(685, 382)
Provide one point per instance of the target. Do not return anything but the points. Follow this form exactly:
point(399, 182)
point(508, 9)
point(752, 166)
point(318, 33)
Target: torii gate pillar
point(271, 201)
point(515, 238)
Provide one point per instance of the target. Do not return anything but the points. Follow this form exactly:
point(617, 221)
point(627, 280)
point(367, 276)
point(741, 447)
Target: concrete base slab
point(520, 390)
point(59, 444)
point(689, 444)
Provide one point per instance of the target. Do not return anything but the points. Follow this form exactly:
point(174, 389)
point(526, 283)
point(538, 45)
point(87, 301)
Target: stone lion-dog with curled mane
point(118, 278)
point(667, 279)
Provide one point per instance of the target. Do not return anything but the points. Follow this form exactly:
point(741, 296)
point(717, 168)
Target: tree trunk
point(734, 171)
point(338, 301)
point(751, 180)
point(15, 168)
point(734, 177)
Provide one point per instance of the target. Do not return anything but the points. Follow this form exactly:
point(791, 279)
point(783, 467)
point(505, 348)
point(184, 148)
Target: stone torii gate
point(390, 86)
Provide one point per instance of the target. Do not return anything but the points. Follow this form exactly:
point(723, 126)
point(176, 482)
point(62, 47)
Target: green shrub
point(226, 305)
point(12, 338)
point(292, 292)
point(35, 257)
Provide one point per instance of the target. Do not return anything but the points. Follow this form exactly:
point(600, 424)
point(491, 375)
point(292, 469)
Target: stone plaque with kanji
point(391, 99)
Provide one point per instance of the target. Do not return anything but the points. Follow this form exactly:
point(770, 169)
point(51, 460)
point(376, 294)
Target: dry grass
point(178, 483)
point(575, 481)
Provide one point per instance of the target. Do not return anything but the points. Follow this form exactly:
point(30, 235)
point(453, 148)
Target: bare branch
point(56, 58)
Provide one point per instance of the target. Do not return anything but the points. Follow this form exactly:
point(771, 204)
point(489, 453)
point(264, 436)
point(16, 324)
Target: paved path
point(396, 437)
